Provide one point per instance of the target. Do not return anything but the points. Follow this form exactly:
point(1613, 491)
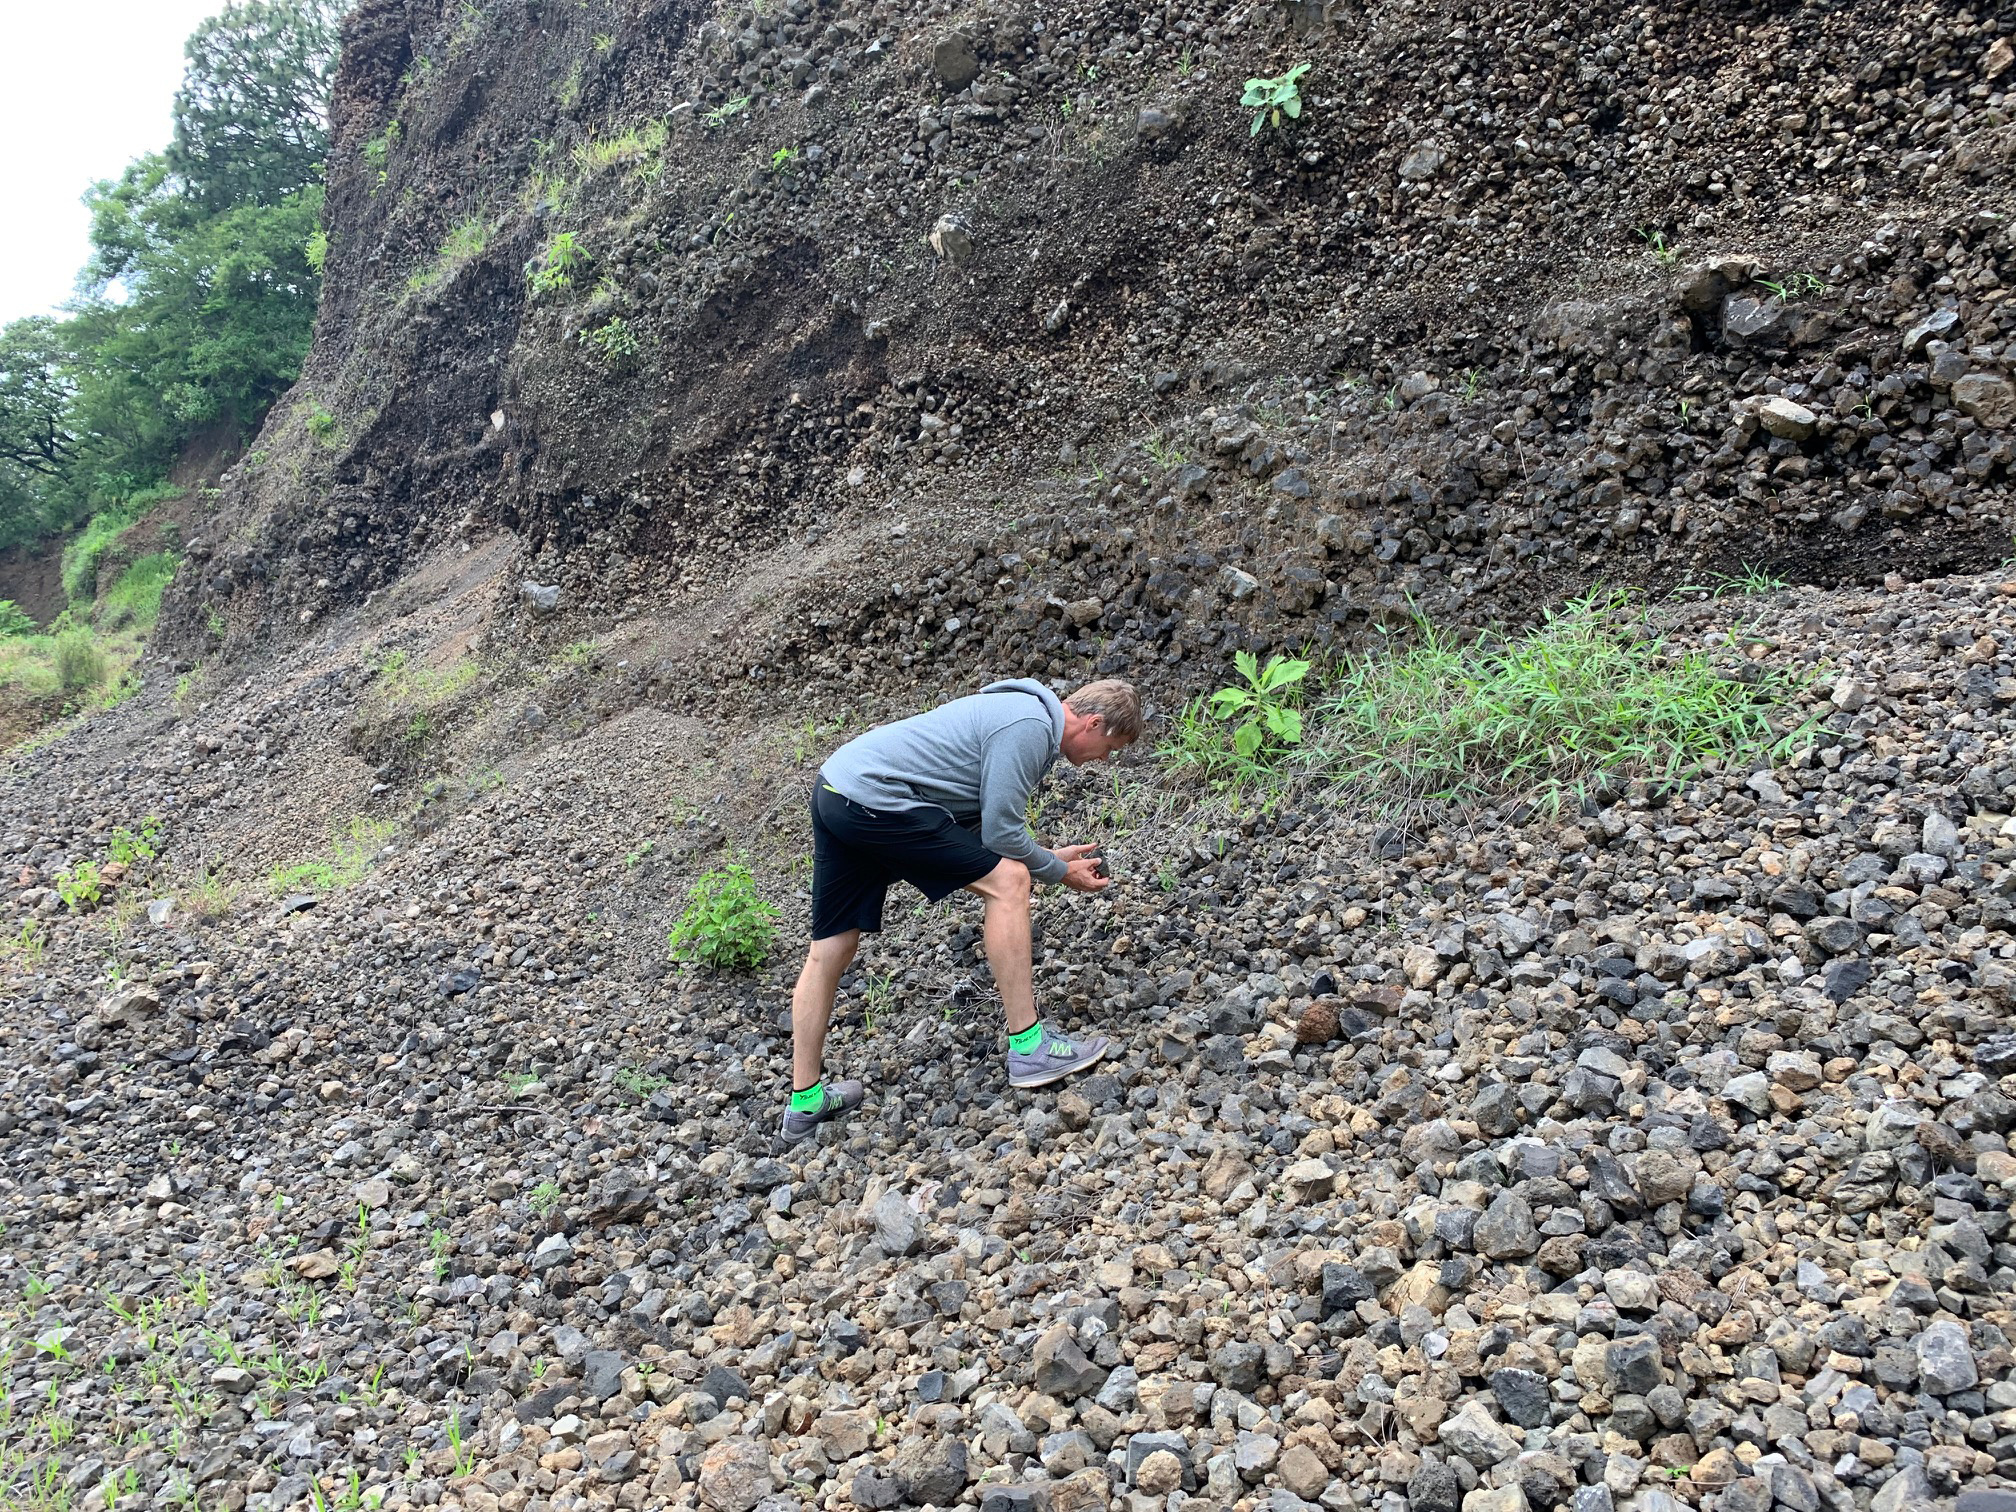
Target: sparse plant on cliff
point(783, 158)
point(1656, 243)
point(721, 114)
point(556, 270)
point(463, 244)
point(1272, 99)
point(615, 341)
point(727, 926)
point(378, 153)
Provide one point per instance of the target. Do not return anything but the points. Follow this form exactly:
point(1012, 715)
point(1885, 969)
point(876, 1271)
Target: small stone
point(735, 1474)
point(544, 598)
point(898, 1229)
point(1988, 399)
point(1789, 421)
point(1633, 1363)
point(1159, 1474)
point(1523, 1396)
point(1302, 1472)
point(1062, 1371)
point(1471, 1433)
point(1423, 161)
point(1507, 1231)
point(952, 238)
point(955, 62)
point(1945, 1360)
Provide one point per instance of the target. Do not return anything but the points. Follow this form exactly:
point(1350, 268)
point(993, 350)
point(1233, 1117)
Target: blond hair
point(1115, 702)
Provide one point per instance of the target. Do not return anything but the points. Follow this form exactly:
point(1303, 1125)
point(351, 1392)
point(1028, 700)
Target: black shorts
point(857, 852)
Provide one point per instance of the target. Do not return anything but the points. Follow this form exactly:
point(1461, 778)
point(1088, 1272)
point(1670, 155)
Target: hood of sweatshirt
point(1052, 704)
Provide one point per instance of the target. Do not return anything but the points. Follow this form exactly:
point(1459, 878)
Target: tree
point(37, 443)
point(209, 322)
point(252, 116)
point(35, 392)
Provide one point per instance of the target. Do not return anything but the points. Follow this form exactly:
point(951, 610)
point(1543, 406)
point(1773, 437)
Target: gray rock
point(1423, 161)
point(952, 238)
point(1938, 323)
point(601, 1374)
point(1833, 934)
point(1236, 1366)
point(1940, 836)
point(1141, 1445)
point(955, 62)
point(898, 1228)
point(1434, 1488)
point(1786, 420)
point(1750, 321)
point(1062, 1371)
point(1945, 1360)
point(1634, 1364)
point(1471, 1433)
point(1507, 1231)
point(543, 597)
point(1523, 1396)
point(724, 1385)
point(1907, 1488)
point(1155, 122)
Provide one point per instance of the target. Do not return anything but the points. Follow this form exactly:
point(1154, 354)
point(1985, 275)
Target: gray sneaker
point(841, 1097)
point(1054, 1058)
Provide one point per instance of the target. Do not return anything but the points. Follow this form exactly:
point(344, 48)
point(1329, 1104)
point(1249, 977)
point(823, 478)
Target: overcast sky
point(85, 87)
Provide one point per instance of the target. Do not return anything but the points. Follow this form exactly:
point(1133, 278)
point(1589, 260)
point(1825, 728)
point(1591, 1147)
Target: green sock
point(1023, 1041)
point(811, 1100)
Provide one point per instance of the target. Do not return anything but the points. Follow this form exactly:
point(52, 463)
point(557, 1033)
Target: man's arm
point(1010, 767)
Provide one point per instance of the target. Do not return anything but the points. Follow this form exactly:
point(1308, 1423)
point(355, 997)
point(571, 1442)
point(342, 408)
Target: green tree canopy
point(37, 444)
point(198, 303)
point(252, 116)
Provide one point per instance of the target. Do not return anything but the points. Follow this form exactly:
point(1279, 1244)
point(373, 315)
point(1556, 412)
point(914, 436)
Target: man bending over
point(939, 801)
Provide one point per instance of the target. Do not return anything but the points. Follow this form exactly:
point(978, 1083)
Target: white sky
point(85, 87)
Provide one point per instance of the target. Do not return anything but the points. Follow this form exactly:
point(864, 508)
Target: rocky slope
point(696, 386)
point(1656, 1158)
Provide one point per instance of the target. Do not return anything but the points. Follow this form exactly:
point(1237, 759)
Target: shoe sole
point(1044, 1079)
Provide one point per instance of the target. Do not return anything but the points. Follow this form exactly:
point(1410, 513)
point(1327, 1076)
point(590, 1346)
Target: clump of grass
point(135, 598)
point(1590, 692)
point(634, 146)
point(79, 662)
point(351, 852)
point(82, 556)
point(464, 244)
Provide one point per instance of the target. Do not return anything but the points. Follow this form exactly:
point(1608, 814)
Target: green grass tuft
point(1590, 692)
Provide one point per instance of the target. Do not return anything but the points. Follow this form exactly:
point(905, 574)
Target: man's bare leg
point(1006, 932)
point(812, 1002)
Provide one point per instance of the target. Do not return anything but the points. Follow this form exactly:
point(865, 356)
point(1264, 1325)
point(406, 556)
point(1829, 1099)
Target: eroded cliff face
point(1528, 294)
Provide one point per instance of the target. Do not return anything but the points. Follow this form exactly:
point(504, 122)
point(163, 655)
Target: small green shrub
point(80, 887)
point(554, 273)
point(1271, 99)
point(722, 113)
point(126, 847)
point(322, 425)
point(1264, 709)
point(14, 620)
point(79, 662)
point(317, 250)
point(351, 852)
point(726, 926)
point(616, 342)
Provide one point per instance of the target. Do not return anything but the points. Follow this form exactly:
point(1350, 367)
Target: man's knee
point(833, 952)
point(1007, 883)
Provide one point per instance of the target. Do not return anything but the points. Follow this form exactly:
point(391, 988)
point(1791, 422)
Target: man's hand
point(1082, 868)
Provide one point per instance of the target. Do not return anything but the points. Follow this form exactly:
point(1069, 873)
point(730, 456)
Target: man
point(940, 801)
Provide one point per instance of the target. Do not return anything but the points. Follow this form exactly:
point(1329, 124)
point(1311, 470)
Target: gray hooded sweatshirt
point(977, 758)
